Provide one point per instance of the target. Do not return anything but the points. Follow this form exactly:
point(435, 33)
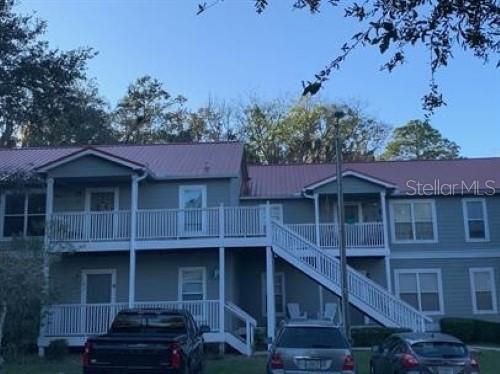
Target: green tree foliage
point(303, 131)
point(149, 113)
point(212, 122)
point(418, 140)
point(37, 84)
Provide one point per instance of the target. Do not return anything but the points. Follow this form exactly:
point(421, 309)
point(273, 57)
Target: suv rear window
point(311, 337)
point(440, 349)
point(149, 322)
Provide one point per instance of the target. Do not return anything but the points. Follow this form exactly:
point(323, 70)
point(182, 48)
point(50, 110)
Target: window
point(24, 214)
point(192, 284)
point(413, 221)
point(421, 288)
point(475, 219)
point(482, 281)
point(279, 294)
point(193, 199)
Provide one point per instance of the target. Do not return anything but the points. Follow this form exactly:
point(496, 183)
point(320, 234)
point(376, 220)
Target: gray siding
point(457, 296)
point(89, 166)
point(450, 228)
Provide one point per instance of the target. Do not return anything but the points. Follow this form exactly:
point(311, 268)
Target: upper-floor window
point(24, 214)
point(421, 288)
point(483, 290)
point(475, 219)
point(413, 221)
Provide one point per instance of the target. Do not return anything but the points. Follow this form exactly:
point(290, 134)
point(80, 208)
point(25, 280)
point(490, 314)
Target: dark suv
point(422, 353)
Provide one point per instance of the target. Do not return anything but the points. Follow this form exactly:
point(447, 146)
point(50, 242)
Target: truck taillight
point(276, 362)
point(409, 361)
point(86, 354)
point(175, 356)
point(349, 364)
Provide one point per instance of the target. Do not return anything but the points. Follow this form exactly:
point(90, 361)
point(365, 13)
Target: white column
point(269, 234)
point(316, 218)
point(132, 258)
point(270, 299)
point(49, 208)
point(386, 240)
point(222, 288)
point(222, 223)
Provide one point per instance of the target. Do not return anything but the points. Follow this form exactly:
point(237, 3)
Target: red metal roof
point(289, 180)
point(163, 160)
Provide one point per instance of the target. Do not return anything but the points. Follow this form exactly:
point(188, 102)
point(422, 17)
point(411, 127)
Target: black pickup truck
point(147, 341)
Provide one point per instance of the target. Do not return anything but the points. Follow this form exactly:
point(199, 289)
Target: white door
point(98, 299)
point(101, 203)
point(193, 218)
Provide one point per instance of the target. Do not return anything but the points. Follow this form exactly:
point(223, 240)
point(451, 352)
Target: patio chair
point(294, 312)
point(331, 312)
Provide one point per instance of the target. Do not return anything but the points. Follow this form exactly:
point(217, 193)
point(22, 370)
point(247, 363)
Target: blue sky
point(230, 52)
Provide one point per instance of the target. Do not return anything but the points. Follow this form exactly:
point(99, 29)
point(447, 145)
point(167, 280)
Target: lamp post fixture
point(341, 227)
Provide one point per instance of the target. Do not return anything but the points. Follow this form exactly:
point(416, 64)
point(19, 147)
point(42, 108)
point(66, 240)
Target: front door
point(193, 201)
point(98, 299)
point(101, 203)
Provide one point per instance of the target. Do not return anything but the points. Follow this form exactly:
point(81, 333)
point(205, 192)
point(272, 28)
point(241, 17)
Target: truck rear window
point(149, 322)
point(312, 337)
point(440, 349)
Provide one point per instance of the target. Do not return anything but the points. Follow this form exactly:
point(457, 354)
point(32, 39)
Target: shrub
point(57, 349)
point(472, 330)
point(370, 336)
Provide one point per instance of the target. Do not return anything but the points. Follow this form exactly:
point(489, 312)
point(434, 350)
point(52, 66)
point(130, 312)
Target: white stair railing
point(239, 325)
point(367, 295)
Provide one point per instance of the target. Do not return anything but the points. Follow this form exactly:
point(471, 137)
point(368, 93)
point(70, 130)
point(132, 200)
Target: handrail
point(236, 309)
point(250, 325)
point(329, 267)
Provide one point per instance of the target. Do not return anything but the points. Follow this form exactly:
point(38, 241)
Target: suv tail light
point(349, 363)
point(409, 361)
point(175, 356)
point(86, 354)
point(276, 361)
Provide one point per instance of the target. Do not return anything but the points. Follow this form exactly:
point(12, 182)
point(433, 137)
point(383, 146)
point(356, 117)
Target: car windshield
point(311, 337)
point(149, 323)
point(440, 349)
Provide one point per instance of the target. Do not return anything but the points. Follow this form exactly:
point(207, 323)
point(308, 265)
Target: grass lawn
point(490, 362)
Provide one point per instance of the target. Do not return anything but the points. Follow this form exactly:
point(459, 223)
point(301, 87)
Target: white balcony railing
point(369, 234)
point(65, 320)
point(158, 224)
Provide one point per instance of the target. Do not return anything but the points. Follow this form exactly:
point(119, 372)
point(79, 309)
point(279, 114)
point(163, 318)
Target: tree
point(303, 131)
point(212, 122)
point(82, 118)
point(394, 26)
point(149, 113)
point(35, 81)
point(418, 140)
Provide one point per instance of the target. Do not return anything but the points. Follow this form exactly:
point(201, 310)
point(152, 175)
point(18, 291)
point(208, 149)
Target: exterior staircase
point(365, 294)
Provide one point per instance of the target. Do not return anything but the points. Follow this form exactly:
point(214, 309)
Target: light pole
point(341, 228)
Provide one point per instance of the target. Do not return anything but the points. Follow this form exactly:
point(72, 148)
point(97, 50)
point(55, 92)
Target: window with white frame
point(279, 294)
point(413, 221)
point(421, 288)
point(24, 214)
point(192, 284)
point(483, 290)
point(475, 219)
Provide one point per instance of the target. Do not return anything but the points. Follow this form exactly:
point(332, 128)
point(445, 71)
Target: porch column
point(316, 218)
point(270, 299)
point(386, 240)
point(222, 289)
point(49, 208)
point(133, 217)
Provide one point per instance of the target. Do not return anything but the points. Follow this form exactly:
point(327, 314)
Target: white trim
point(90, 152)
point(465, 212)
point(491, 272)
point(465, 253)
point(90, 190)
point(417, 272)
point(412, 202)
point(203, 270)
point(283, 293)
point(83, 289)
point(351, 173)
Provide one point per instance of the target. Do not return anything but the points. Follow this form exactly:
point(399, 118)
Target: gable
point(352, 184)
point(89, 166)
